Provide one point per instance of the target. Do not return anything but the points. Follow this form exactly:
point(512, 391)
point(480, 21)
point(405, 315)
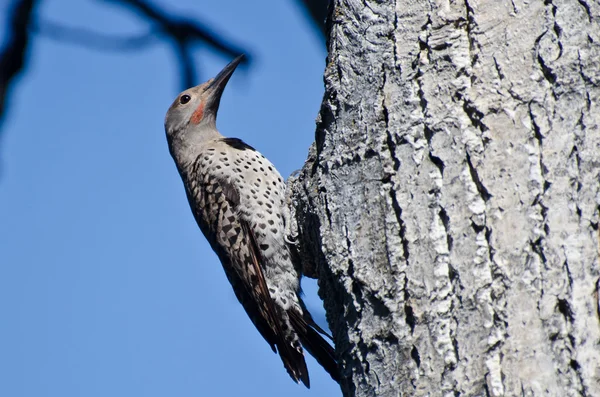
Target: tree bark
point(449, 205)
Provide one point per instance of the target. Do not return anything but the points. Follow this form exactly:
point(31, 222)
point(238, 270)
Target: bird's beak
point(217, 85)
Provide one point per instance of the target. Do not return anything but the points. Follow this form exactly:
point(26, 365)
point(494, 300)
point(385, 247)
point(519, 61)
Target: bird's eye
point(184, 99)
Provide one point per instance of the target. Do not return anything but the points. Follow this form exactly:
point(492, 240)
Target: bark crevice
point(455, 182)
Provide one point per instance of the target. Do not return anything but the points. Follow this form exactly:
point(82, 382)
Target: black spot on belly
point(264, 247)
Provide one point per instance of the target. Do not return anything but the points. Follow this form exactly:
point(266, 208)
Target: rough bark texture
point(449, 205)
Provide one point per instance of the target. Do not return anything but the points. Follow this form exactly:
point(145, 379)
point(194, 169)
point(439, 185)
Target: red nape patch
point(198, 114)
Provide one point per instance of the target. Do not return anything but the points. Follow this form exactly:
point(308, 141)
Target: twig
point(182, 33)
point(94, 40)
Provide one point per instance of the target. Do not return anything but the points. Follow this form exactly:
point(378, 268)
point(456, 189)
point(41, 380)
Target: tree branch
point(317, 11)
point(183, 33)
point(12, 57)
point(91, 39)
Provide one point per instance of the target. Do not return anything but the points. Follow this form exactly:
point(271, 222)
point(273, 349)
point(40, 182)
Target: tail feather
point(314, 343)
point(310, 322)
point(293, 361)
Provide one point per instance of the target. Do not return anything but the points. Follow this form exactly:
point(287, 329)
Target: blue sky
point(107, 287)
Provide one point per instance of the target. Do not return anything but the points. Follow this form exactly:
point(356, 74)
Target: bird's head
point(196, 108)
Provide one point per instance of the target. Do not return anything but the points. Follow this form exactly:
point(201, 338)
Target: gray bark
point(449, 205)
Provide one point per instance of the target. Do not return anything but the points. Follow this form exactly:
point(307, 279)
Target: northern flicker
point(238, 199)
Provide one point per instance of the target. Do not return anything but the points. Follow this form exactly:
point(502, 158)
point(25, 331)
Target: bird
point(237, 198)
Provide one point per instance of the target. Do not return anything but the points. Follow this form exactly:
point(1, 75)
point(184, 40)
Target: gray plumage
point(238, 200)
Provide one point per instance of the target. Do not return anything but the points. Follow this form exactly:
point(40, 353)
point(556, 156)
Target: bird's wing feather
point(208, 220)
point(214, 204)
point(292, 357)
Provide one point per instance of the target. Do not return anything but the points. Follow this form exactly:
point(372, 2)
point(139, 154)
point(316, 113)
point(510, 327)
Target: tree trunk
point(449, 205)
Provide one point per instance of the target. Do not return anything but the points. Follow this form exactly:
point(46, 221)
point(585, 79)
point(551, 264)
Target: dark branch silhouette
point(12, 56)
point(183, 33)
point(180, 32)
point(317, 11)
point(94, 40)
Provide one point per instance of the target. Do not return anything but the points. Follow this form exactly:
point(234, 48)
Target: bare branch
point(183, 33)
point(317, 10)
point(187, 67)
point(12, 57)
point(91, 39)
